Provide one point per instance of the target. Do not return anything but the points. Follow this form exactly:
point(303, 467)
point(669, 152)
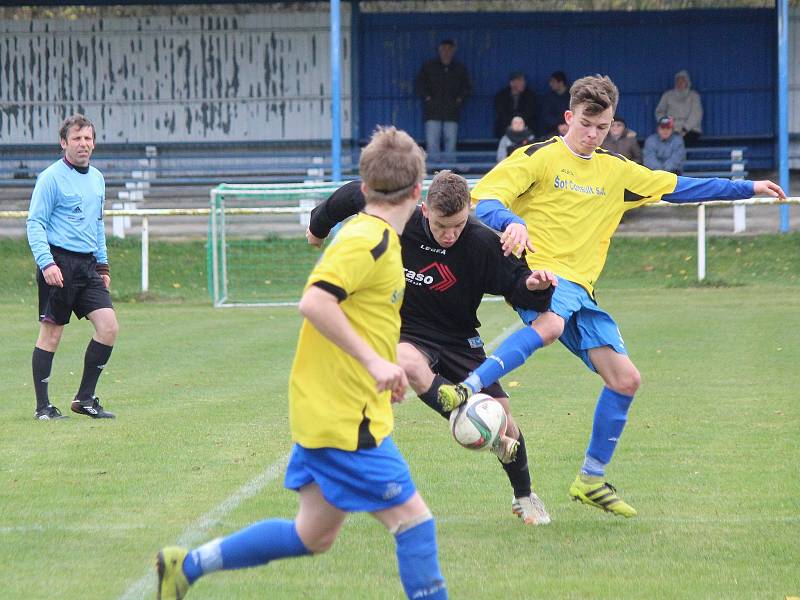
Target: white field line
point(198, 530)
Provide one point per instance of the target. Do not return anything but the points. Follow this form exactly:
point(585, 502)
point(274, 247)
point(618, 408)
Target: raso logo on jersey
point(436, 276)
point(417, 278)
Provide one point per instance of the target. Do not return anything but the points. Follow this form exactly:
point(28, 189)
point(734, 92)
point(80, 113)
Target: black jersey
point(444, 286)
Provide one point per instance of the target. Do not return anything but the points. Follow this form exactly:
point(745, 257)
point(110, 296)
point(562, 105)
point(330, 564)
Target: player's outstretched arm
point(515, 233)
point(343, 203)
point(768, 188)
point(699, 189)
point(322, 310)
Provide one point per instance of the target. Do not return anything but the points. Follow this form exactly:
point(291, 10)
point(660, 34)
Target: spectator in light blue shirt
point(67, 237)
point(664, 150)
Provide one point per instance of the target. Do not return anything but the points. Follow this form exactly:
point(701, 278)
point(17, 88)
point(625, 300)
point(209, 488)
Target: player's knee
point(108, 330)
point(549, 326)
point(49, 338)
point(628, 382)
point(321, 543)
point(415, 373)
point(416, 369)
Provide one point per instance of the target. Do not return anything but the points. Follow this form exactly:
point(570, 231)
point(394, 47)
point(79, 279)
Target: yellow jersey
point(333, 401)
point(571, 204)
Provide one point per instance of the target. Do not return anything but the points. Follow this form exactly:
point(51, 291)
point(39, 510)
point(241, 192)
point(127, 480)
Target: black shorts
point(83, 291)
point(453, 363)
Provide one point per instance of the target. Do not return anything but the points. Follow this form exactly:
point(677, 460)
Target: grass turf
point(708, 458)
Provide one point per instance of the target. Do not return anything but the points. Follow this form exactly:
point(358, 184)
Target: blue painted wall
point(730, 55)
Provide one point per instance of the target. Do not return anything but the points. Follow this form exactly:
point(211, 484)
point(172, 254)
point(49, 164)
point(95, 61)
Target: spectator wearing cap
point(683, 104)
point(444, 85)
point(514, 100)
point(664, 150)
point(554, 104)
point(622, 140)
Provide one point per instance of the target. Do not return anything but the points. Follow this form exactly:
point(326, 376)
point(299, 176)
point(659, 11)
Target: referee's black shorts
point(83, 291)
point(453, 363)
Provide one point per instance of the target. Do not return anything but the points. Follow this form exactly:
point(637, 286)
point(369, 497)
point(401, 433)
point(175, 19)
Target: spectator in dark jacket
point(514, 100)
point(622, 140)
point(444, 85)
point(554, 104)
point(664, 150)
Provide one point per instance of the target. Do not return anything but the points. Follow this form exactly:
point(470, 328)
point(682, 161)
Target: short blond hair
point(391, 165)
point(595, 92)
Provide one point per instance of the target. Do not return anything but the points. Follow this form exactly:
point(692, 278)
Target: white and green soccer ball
point(478, 423)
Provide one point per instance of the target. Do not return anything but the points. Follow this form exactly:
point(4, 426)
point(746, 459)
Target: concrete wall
point(226, 76)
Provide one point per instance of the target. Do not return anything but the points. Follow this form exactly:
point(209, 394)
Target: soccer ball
point(478, 423)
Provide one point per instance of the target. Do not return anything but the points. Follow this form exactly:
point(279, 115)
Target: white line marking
point(198, 530)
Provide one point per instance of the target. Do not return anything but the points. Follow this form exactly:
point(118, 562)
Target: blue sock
point(418, 562)
point(255, 545)
point(610, 416)
point(514, 351)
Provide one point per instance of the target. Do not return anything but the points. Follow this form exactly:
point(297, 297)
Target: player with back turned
point(565, 197)
point(342, 382)
point(451, 260)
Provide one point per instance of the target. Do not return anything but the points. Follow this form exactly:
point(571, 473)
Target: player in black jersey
point(451, 260)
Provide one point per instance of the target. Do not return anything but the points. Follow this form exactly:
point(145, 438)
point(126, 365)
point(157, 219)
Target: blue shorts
point(354, 481)
point(586, 325)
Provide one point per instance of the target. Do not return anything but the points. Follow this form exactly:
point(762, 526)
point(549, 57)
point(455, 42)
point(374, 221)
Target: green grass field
point(709, 457)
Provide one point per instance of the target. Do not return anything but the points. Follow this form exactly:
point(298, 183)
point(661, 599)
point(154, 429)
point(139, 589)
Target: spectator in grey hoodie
point(683, 104)
point(664, 150)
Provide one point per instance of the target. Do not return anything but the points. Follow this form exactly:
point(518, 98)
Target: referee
point(68, 241)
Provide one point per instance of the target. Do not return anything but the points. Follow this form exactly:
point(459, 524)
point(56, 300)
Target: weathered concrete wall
point(221, 76)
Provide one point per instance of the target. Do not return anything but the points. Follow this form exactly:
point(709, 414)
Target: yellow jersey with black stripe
point(571, 204)
point(333, 402)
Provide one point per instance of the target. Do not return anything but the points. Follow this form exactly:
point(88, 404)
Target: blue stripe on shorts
point(354, 481)
point(586, 325)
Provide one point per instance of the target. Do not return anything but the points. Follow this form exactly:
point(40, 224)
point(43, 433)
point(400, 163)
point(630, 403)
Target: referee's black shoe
point(49, 413)
point(91, 408)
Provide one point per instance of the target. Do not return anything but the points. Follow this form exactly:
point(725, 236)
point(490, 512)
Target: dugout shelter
point(243, 78)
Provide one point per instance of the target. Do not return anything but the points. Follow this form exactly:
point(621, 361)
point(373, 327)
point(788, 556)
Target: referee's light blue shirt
point(67, 211)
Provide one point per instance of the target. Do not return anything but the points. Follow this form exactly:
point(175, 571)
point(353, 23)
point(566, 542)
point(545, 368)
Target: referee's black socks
point(42, 363)
point(94, 362)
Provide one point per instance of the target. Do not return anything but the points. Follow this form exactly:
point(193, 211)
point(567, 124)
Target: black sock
point(517, 471)
point(430, 397)
point(42, 365)
point(94, 361)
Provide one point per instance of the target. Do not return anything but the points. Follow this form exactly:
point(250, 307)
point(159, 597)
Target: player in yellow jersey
point(342, 383)
point(562, 200)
